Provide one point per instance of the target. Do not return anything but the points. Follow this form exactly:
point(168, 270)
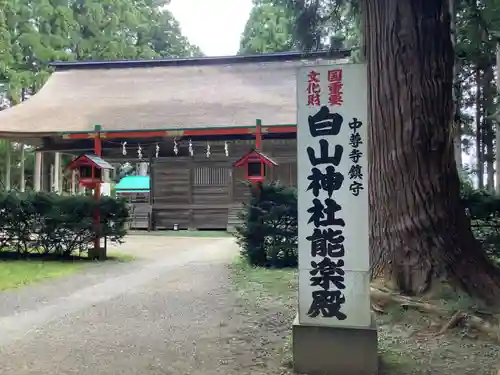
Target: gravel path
point(168, 313)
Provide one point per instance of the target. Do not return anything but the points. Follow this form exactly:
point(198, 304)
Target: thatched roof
point(159, 97)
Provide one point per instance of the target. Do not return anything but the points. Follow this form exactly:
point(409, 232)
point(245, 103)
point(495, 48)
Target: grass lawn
point(408, 343)
point(262, 284)
point(115, 256)
point(15, 273)
point(269, 296)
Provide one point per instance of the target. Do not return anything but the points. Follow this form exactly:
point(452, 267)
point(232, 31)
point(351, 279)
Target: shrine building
point(190, 120)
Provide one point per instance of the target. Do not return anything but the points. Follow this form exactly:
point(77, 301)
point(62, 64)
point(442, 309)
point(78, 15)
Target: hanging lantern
point(124, 148)
point(139, 152)
point(226, 148)
point(208, 151)
point(176, 149)
point(191, 152)
point(157, 150)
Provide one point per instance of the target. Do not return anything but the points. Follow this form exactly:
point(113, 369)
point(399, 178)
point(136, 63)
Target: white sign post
point(332, 123)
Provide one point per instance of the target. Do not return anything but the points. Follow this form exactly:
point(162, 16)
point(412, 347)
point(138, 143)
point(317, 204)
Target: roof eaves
point(99, 162)
point(199, 61)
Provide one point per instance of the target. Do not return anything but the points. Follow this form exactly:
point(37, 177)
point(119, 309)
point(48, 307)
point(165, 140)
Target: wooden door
point(172, 193)
point(211, 195)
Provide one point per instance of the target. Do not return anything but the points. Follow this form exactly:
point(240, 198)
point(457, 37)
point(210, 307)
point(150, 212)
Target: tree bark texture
point(457, 127)
point(419, 230)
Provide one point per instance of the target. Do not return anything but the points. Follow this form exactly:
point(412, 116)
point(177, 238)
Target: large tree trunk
point(457, 128)
point(419, 230)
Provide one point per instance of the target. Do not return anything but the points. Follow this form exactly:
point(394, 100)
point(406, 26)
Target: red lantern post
point(90, 170)
point(255, 161)
point(97, 188)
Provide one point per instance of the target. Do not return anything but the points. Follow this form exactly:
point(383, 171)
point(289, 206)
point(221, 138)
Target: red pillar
point(97, 188)
point(258, 134)
point(258, 146)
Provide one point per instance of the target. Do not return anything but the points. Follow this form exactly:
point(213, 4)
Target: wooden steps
point(232, 218)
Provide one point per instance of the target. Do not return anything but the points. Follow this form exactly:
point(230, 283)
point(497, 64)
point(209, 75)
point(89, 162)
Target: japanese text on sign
point(327, 249)
point(355, 171)
point(333, 222)
point(313, 89)
point(335, 86)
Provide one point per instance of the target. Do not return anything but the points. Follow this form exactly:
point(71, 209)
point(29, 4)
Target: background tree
point(35, 33)
point(284, 25)
point(416, 243)
point(476, 63)
point(420, 234)
point(268, 29)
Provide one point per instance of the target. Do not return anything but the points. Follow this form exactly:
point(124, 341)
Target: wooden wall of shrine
point(203, 192)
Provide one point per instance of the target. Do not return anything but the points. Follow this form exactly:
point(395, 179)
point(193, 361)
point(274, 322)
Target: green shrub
point(268, 233)
point(483, 209)
point(54, 224)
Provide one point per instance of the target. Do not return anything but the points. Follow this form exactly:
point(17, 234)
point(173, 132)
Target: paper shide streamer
point(139, 152)
point(176, 149)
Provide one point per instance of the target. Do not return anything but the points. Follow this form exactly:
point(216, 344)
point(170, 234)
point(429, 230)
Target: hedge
point(268, 231)
point(483, 209)
point(59, 225)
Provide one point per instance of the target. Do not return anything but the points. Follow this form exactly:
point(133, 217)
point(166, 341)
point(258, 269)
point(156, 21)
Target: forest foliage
point(34, 33)
point(324, 24)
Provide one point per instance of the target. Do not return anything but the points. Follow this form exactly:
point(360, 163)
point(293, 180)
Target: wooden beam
point(8, 165)
point(73, 182)
point(37, 178)
point(280, 130)
point(78, 136)
point(134, 134)
point(56, 183)
point(22, 179)
point(199, 132)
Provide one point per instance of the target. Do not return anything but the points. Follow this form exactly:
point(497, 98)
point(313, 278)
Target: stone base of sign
point(335, 350)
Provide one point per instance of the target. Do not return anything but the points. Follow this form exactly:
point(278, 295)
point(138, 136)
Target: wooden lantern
point(89, 169)
point(255, 163)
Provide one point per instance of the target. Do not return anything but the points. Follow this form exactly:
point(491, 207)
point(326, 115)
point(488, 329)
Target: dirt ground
point(407, 340)
point(185, 307)
point(168, 312)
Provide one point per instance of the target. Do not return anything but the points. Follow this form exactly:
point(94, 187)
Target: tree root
point(454, 321)
point(382, 298)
